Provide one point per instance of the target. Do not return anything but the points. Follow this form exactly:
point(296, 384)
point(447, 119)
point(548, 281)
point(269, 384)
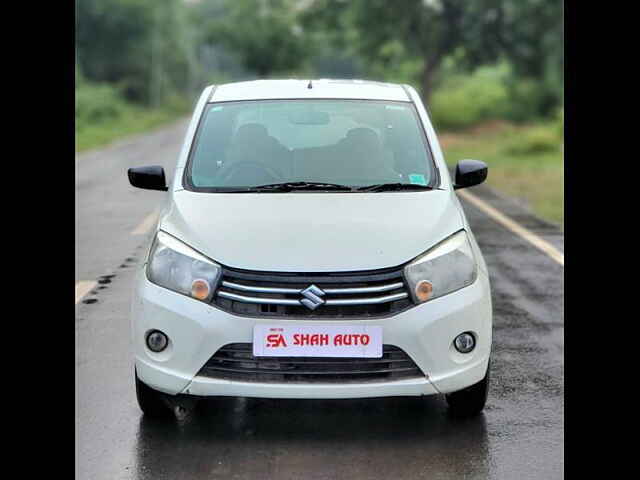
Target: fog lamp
point(465, 342)
point(157, 341)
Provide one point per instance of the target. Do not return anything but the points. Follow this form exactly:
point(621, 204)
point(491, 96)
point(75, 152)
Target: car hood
point(311, 232)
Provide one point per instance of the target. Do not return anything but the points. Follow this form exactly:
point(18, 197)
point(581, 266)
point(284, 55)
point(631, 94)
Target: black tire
point(150, 401)
point(470, 401)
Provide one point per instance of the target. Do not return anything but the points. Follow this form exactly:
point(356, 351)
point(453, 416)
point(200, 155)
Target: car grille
point(363, 294)
point(235, 361)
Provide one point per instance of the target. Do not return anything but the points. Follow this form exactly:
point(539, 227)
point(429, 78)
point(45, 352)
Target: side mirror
point(470, 173)
point(150, 178)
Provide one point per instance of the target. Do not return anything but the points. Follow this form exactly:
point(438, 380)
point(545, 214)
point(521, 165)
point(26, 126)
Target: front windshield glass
point(348, 142)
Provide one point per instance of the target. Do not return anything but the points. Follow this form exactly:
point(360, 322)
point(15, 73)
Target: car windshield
point(352, 143)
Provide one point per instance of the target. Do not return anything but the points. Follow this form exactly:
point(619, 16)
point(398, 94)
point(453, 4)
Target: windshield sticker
point(417, 179)
point(216, 109)
point(395, 107)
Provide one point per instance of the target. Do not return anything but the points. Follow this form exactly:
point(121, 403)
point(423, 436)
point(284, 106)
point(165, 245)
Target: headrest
point(251, 131)
point(363, 137)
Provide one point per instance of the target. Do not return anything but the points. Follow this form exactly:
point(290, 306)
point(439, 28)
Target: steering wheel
point(229, 169)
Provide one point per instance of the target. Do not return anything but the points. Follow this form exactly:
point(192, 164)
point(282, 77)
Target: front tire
point(150, 401)
point(470, 401)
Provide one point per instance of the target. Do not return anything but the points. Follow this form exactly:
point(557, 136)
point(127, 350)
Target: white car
point(311, 246)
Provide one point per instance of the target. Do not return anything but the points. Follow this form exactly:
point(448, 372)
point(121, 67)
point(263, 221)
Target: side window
point(212, 142)
point(404, 143)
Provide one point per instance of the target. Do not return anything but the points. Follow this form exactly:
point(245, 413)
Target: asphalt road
point(519, 436)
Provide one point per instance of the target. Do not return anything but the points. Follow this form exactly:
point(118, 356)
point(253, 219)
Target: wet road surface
point(519, 436)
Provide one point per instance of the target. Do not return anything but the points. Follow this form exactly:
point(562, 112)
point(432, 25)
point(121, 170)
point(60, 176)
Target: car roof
point(299, 89)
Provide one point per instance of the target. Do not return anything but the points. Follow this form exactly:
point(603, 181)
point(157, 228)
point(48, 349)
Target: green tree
point(145, 47)
point(262, 33)
point(388, 33)
point(415, 36)
point(531, 38)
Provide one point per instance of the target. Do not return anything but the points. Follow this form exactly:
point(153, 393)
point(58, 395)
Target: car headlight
point(175, 266)
point(447, 267)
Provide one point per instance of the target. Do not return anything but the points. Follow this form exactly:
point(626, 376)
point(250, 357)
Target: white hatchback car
point(311, 246)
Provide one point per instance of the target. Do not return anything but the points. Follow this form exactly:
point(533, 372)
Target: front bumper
point(197, 330)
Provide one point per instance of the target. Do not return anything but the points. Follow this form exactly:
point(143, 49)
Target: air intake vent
point(236, 362)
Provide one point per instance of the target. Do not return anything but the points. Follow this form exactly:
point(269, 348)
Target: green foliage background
point(472, 61)
point(140, 63)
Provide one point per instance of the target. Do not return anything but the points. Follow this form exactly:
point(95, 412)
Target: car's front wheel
point(150, 400)
point(471, 400)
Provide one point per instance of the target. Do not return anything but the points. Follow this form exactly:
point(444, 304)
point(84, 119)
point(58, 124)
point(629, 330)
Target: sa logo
point(276, 340)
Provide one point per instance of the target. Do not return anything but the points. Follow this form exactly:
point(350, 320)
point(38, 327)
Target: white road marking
point(146, 224)
point(83, 287)
point(523, 232)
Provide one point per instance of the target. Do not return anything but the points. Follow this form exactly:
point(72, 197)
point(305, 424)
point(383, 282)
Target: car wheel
point(150, 401)
point(471, 400)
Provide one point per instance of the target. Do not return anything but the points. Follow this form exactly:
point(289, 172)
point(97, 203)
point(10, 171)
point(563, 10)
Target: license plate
point(358, 341)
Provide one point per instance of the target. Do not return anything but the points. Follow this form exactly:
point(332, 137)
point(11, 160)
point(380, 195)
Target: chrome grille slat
point(330, 277)
point(312, 295)
point(368, 301)
point(260, 300)
point(348, 291)
point(285, 301)
point(330, 291)
point(249, 288)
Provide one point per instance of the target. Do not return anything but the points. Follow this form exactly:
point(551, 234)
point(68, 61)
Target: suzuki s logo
point(312, 298)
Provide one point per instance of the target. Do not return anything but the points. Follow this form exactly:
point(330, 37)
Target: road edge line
point(535, 240)
point(146, 223)
point(83, 287)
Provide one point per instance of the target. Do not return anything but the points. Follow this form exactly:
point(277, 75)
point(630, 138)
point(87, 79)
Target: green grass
point(525, 162)
point(130, 121)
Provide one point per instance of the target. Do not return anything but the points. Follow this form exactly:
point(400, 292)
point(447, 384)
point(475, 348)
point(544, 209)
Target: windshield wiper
point(289, 186)
point(319, 186)
point(386, 187)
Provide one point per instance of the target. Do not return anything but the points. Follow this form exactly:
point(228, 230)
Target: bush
point(527, 99)
point(535, 140)
point(102, 115)
point(177, 104)
point(97, 103)
point(489, 93)
point(467, 100)
point(559, 120)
